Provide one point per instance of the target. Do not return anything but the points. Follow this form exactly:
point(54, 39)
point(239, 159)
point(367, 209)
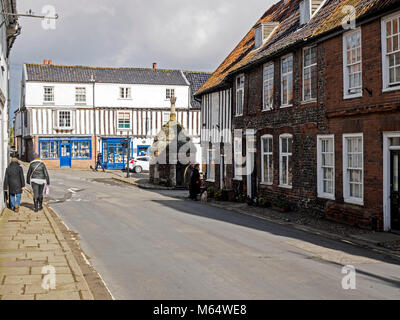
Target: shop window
point(81, 150)
point(49, 150)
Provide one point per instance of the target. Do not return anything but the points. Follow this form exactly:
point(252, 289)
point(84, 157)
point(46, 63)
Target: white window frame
point(210, 163)
point(269, 83)
point(121, 114)
point(239, 89)
point(312, 99)
point(346, 74)
point(258, 36)
point(270, 159)
point(81, 95)
point(346, 182)
point(320, 172)
point(385, 59)
point(48, 94)
point(285, 105)
point(281, 155)
point(169, 92)
point(70, 117)
point(125, 93)
point(237, 152)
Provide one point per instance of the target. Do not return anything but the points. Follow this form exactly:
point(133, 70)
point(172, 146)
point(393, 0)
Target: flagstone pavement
point(32, 248)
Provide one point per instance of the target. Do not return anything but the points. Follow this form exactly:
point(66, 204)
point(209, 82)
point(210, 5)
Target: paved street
point(149, 245)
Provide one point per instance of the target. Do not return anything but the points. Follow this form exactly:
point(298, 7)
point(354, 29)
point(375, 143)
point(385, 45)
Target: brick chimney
point(155, 66)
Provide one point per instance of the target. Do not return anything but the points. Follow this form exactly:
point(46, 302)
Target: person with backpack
point(37, 177)
point(14, 184)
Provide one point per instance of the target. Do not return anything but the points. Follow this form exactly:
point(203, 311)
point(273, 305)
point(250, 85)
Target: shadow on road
point(213, 213)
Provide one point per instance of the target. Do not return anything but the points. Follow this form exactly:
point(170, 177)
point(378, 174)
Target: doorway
point(65, 158)
point(394, 190)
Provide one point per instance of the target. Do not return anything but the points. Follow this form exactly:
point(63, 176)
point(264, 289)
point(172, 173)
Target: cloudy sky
point(177, 34)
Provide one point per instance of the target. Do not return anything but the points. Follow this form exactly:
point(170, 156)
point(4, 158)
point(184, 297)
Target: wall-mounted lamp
point(369, 91)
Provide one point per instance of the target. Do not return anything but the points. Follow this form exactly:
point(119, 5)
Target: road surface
point(150, 245)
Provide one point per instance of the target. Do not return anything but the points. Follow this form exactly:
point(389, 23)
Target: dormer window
point(262, 32)
point(308, 8)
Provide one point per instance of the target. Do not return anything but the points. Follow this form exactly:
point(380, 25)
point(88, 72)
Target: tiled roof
point(196, 80)
point(289, 32)
point(80, 74)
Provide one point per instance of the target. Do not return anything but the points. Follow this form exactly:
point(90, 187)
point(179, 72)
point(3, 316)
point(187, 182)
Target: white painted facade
point(147, 109)
point(9, 30)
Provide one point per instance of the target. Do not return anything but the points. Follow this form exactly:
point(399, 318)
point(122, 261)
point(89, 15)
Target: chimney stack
point(155, 66)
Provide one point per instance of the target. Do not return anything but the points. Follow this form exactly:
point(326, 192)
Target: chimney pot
point(45, 61)
point(155, 66)
point(49, 62)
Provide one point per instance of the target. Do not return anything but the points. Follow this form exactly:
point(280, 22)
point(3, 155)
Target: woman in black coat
point(14, 183)
point(37, 177)
point(194, 188)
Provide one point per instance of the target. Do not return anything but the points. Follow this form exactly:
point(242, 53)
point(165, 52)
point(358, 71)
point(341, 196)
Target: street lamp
point(93, 81)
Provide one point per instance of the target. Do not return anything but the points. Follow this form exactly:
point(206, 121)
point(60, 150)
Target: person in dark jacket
point(187, 174)
point(194, 188)
point(37, 177)
point(99, 161)
point(14, 183)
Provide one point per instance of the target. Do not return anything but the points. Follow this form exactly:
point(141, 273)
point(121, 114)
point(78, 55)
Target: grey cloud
point(183, 34)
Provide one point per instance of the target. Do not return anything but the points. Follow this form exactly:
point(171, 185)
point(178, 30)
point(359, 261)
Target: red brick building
point(319, 94)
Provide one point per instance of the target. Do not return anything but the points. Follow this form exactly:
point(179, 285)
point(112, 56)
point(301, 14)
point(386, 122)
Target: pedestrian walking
point(14, 183)
point(194, 188)
point(37, 177)
point(99, 161)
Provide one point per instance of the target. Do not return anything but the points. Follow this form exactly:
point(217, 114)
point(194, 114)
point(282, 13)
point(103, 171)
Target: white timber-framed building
point(68, 114)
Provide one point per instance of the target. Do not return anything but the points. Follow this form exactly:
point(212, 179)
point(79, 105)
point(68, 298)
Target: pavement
point(29, 243)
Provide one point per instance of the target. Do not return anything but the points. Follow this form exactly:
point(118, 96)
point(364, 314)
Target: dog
point(204, 197)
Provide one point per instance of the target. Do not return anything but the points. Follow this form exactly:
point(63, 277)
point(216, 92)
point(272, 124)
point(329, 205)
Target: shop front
point(114, 153)
point(66, 152)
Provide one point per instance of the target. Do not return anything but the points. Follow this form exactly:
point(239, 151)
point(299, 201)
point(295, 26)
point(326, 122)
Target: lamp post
point(93, 81)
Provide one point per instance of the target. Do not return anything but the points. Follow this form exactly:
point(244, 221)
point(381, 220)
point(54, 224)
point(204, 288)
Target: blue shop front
point(115, 154)
point(65, 152)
